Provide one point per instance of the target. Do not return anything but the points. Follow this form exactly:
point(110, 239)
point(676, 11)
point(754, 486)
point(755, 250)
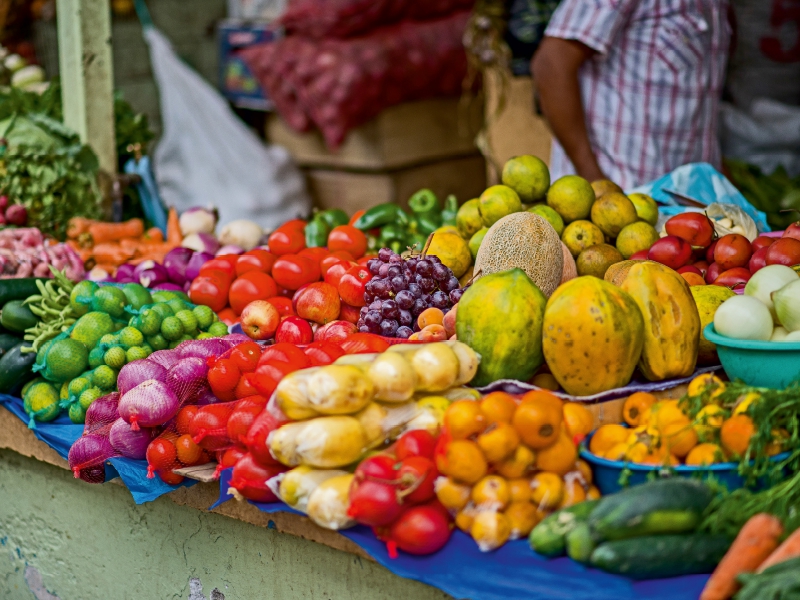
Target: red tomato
point(229, 258)
point(334, 274)
point(732, 250)
point(253, 285)
point(347, 237)
point(315, 254)
point(224, 375)
point(161, 454)
point(231, 456)
point(356, 216)
point(293, 271)
point(327, 262)
point(269, 375)
point(210, 290)
point(250, 479)
point(365, 259)
point(184, 420)
point(294, 330)
point(283, 352)
point(374, 503)
point(351, 285)
point(170, 478)
point(364, 343)
point(713, 271)
point(417, 442)
point(218, 265)
point(294, 225)
point(419, 530)
point(286, 241)
point(343, 255)
point(417, 473)
point(246, 386)
point(695, 228)
point(283, 305)
point(734, 277)
point(227, 316)
point(246, 356)
point(283, 292)
point(323, 353)
point(257, 435)
point(255, 260)
point(762, 241)
point(241, 420)
point(188, 451)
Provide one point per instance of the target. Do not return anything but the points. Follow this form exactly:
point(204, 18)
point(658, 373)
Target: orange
point(498, 407)
point(606, 436)
point(704, 454)
point(593, 493)
point(464, 520)
point(547, 490)
point(635, 405)
point(546, 381)
point(617, 452)
point(463, 461)
point(735, 434)
point(522, 516)
point(188, 451)
point(491, 492)
point(542, 396)
point(558, 458)
point(660, 457)
point(518, 464)
point(708, 421)
point(538, 421)
point(578, 419)
point(582, 467)
point(520, 490)
point(452, 495)
point(680, 438)
point(490, 530)
point(706, 381)
point(463, 419)
point(573, 492)
point(498, 441)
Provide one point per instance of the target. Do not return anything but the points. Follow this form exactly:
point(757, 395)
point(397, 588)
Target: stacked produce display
point(532, 364)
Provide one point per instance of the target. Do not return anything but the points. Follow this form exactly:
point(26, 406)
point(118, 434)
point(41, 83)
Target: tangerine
point(547, 490)
point(463, 461)
point(582, 467)
point(573, 492)
point(680, 438)
point(735, 434)
point(522, 516)
point(464, 519)
point(453, 496)
point(607, 436)
point(520, 490)
point(635, 406)
point(490, 530)
point(464, 419)
point(617, 452)
point(491, 492)
point(560, 457)
point(498, 407)
point(543, 396)
point(704, 454)
point(518, 464)
point(778, 444)
point(538, 422)
point(498, 441)
point(666, 412)
point(578, 419)
point(593, 493)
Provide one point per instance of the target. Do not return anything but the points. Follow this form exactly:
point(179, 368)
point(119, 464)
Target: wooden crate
point(401, 136)
point(351, 191)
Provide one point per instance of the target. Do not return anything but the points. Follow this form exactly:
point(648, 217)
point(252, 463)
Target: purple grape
point(396, 258)
point(404, 299)
point(411, 264)
point(363, 312)
point(390, 310)
point(394, 271)
point(384, 270)
point(360, 323)
point(426, 298)
point(369, 287)
point(418, 307)
point(405, 318)
point(455, 295)
point(375, 305)
point(441, 273)
point(427, 284)
point(398, 284)
point(364, 329)
point(440, 300)
point(415, 290)
point(384, 254)
point(373, 317)
point(388, 328)
point(373, 265)
point(434, 259)
point(449, 285)
point(404, 332)
point(381, 287)
point(424, 268)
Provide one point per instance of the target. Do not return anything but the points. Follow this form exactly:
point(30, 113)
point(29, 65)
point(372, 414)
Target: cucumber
point(659, 556)
point(17, 317)
point(549, 537)
point(15, 368)
point(580, 543)
point(17, 289)
point(7, 342)
point(673, 505)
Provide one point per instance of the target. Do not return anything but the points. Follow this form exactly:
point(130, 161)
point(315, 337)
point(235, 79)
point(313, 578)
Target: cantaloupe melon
point(570, 270)
point(527, 241)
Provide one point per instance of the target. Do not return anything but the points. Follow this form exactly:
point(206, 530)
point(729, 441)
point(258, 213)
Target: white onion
point(793, 337)
point(778, 334)
point(767, 280)
point(787, 305)
point(743, 318)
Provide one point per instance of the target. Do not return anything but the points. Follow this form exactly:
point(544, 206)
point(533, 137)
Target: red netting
point(340, 84)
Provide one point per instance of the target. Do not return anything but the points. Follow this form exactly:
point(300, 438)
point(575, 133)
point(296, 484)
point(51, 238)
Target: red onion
point(230, 249)
point(149, 404)
point(197, 260)
point(165, 358)
point(87, 455)
point(205, 396)
point(125, 272)
point(138, 372)
point(101, 413)
point(175, 263)
point(201, 242)
point(127, 442)
point(203, 348)
point(167, 286)
point(149, 273)
point(186, 377)
point(234, 339)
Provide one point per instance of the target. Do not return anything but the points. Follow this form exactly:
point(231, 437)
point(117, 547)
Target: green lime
point(41, 402)
point(63, 394)
point(119, 326)
point(30, 384)
point(66, 359)
point(104, 377)
point(79, 385)
point(147, 348)
point(172, 328)
point(91, 328)
point(158, 342)
point(476, 240)
point(149, 321)
point(109, 339)
point(130, 337)
point(111, 300)
point(77, 414)
point(89, 396)
point(97, 357)
point(179, 341)
point(177, 305)
point(528, 176)
point(136, 353)
point(204, 316)
point(187, 318)
point(163, 309)
point(164, 296)
point(81, 296)
point(204, 336)
point(137, 295)
point(218, 329)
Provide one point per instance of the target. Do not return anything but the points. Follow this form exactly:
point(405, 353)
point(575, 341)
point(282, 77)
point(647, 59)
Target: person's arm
point(555, 71)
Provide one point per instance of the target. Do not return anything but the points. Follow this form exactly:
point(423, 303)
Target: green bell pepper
point(428, 223)
point(316, 232)
point(450, 211)
point(392, 232)
point(424, 201)
point(383, 214)
point(333, 217)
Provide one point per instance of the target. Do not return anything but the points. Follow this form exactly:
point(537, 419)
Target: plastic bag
point(208, 157)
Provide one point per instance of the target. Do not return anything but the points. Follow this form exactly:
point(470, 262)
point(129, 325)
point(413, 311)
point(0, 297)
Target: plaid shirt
point(651, 94)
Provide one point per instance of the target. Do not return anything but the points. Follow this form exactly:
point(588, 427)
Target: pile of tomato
point(228, 283)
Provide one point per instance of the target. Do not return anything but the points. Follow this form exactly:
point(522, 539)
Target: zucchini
point(17, 317)
point(17, 289)
point(7, 342)
point(659, 556)
point(580, 542)
point(15, 368)
point(549, 537)
point(672, 505)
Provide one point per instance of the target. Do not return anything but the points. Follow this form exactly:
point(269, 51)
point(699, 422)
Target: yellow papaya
point(592, 336)
point(671, 320)
point(617, 273)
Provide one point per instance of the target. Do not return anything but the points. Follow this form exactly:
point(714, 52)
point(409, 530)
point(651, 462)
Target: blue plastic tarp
point(509, 573)
point(62, 433)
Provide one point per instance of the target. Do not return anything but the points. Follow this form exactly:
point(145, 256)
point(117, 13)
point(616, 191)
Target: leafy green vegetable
point(779, 582)
point(771, 194)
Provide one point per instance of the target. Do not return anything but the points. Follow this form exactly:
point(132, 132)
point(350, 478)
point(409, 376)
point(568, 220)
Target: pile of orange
point(508, 463)
point(662, 433)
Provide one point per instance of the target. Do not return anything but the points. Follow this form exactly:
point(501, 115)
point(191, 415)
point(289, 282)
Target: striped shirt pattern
point(651, 93)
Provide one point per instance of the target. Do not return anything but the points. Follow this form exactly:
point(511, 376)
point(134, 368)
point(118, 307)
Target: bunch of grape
point(401, 289)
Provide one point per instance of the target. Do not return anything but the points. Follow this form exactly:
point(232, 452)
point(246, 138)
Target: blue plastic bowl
point(762, 364)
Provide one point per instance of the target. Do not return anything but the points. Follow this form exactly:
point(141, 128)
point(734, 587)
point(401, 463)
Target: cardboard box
point(235, 79)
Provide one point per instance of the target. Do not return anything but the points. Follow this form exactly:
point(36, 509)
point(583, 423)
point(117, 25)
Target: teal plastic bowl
point(762, 364)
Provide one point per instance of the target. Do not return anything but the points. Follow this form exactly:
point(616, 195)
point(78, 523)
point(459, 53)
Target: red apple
point(335, 331)
point(294, 330)
point(702, 265)
point(690, 269)
point(318, 302)
point(3, 203)
point(793, 231)
point(695, 228)
point(350, 313)
point(732, 250)
point(785, 251)
point(260, 319)
point(710, 252)
point(733, 277)
point(762, 241)
point(16, 214)
point(640, 255)
point(671, 251)
point(712, 273)
point(758, 260)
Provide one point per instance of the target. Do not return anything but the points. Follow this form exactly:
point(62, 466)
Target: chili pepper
point(450, 210)
point(424, 201)
point(429, 222)
point(392, 232)
point(316, 232)
point(381, 215)
point(333, 217)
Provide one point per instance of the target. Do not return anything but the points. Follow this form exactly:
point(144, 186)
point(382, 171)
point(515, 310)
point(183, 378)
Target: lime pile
point(117, 325)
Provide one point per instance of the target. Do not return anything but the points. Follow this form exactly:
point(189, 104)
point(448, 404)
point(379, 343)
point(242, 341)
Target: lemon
point(65, 360)
point(111, 300)
point(646, 207)
point(636, 237)
point(571, 197)
point(79, 385)
point(137, 295)
point(41, 402)
point(91, 328)
point(130, 337)
point(218, 329)
point(550, 215)
point(81, 296)
point(497, 202)
point(163, 309)
point(148, 322)
point(187, 319)
point(30, 384)
point(204, 315)
point(76, 413)
point(63, 393)
point(136, 353)
point(580, 235)
point(89, 396)
point(468, 219)
point(109, 339)
point(528, 176)
point(475, 241)
point(104, 377)
point(452, 250)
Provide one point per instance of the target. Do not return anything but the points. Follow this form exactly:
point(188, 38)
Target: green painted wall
point(62, 539)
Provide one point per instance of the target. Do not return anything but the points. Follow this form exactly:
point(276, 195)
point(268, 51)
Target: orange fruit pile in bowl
point(508, 463)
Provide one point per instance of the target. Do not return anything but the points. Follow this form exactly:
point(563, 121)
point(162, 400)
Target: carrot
point(790, 548)
point(755, 542)
point(112, 232)
point(153, 234)
point(77, 226)
point(111, 253)
point(174, 235)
